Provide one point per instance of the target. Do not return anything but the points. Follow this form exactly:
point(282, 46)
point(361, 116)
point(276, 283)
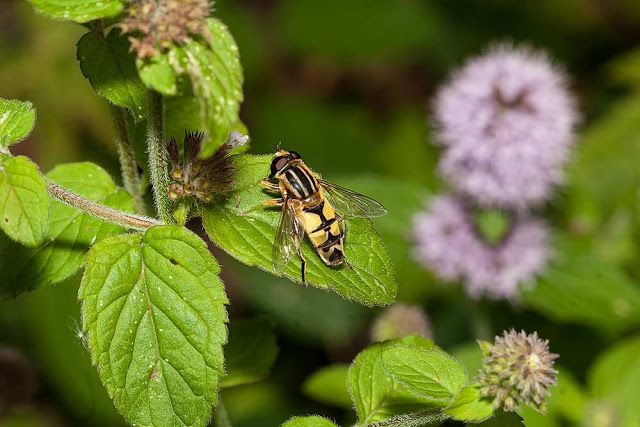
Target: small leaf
point(468, 405)
point(215, 72)
point(158, 74)
point(78, 10)
point(311, 421)
point(69, 235)
point(615, 376)
point(17, 119)
point(329, 385)
point(416, 419)
point(503, 419)
point(250, 353)
point(377, 396)
point(111, 70)
point(246, 229)
point(431, 373)
point(24, 200)
point(153, 309)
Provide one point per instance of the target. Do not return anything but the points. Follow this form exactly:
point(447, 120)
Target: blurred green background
point(347, 84)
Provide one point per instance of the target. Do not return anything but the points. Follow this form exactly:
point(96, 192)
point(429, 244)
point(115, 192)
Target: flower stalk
point(125, 219)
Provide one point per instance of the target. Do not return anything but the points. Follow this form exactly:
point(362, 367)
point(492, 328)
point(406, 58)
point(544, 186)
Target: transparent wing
point(350, 203)
point(284, 244)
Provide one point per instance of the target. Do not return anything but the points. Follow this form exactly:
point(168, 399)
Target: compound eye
point(294, 155)
point(277, 164)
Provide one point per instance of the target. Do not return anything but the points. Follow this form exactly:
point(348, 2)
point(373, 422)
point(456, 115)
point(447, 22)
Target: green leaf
point(78, 10)
point(377, 396)
point(503, 419)
point(153, 310)
point(430, 373)
point(615, 377)
point(24, 200)
point(246, 229)
point(214, 70)
point(158, 74)
point(17, 119)
point(69, 235)
point(250, 353)
point(580, 287)
point(110, 67)
point(311, 421)
point(468, 405)
point(329, 385)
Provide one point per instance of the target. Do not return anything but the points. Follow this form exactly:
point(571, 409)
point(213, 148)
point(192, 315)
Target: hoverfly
point(305, 208)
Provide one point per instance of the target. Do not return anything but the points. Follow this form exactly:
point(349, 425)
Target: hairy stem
point(136, 222)
point(220, 417)
point(158, 171)
point(128, 164)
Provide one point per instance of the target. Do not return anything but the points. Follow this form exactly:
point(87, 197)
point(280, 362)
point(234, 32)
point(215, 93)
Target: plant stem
point(128, 164)
point(220, 416)
point(125, 219)
point(158, 171)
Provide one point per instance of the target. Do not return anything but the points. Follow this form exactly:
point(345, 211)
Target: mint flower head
point(517, 369)
point(448, 242)
point(506, 120)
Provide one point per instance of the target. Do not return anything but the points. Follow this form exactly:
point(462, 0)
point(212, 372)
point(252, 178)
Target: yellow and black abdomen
point(321, 225)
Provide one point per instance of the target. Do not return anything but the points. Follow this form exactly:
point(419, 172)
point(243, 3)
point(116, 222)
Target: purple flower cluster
point(506, 121)
point(448, 243)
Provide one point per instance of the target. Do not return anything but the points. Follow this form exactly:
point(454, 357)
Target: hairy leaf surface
point(69, 235)
point(375, 394)
point(431, 373)
point(250, 353)
point(17, 119)
point(153, 309)
point(246, 229)
point(24, 200)
point(110, 67)
point(78, 10)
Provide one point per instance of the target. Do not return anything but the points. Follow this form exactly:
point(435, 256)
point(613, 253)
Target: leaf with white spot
point(78, 10)
point(154, 312)
point(24, 200)
point(17, 119)
point(69, 235)
point(243, 227)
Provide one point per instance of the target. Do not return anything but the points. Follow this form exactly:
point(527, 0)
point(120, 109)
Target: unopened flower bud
point(177, 173)
point(175, 192)
point(188, 188)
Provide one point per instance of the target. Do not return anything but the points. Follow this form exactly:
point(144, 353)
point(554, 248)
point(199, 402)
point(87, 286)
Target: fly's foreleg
point(303, 263)
point(343, 223)
point(273, 202)
point(269, 185)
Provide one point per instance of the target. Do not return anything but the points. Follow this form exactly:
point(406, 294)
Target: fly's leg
point(303, 263)
point(270, 185)
point(273, 202)
point(343, 222)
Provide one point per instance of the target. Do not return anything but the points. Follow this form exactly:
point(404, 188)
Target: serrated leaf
point(110, 67)
point(250, 353)
point(17, 119)
point(24, 200)
point(329, 385)
point(245, 229)
point(503, 419)
point(69, 235)
point(469, 406)
point(615, 377)
point(78, 10)
point(153, 310)
point(311, 421)
point(214, 69)
point(580, 287)
point(430, 373)
point(377, 396)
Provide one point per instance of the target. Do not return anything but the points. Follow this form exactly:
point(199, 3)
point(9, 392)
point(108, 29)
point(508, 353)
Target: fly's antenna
point(277, 147)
